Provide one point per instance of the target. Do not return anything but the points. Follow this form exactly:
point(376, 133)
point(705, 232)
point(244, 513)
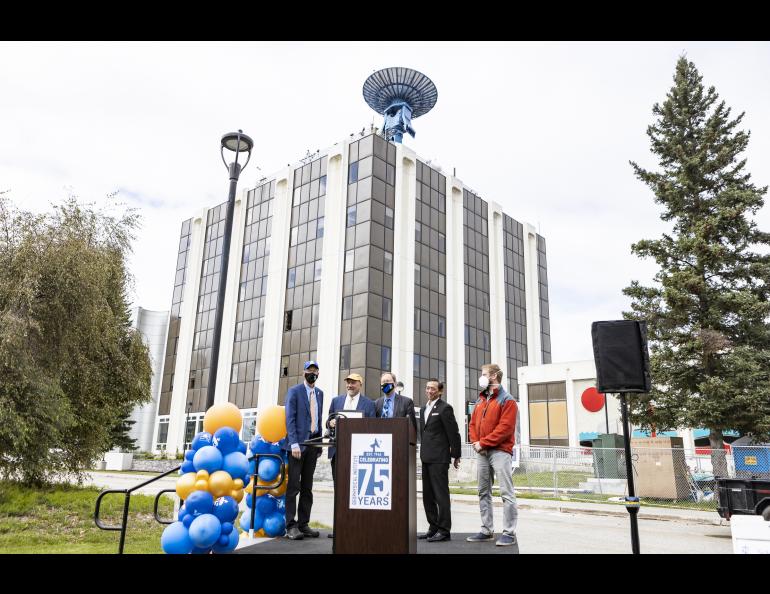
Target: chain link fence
point(669, 477)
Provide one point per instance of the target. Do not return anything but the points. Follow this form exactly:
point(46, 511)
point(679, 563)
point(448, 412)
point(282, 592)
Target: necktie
point(313, 411)
point(386, 408)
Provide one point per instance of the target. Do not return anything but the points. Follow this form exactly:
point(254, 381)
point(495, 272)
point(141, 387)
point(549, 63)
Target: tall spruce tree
point(708, 311)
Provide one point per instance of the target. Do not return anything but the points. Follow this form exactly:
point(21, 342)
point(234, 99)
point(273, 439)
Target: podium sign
point(375, 502)
point(370, 470)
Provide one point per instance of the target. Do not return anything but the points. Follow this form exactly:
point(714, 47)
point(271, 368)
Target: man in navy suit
point(352, 400)
point(304, 403)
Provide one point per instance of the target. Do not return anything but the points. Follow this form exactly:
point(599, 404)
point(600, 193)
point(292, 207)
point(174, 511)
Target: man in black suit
point(440, 442)
point(391, 405)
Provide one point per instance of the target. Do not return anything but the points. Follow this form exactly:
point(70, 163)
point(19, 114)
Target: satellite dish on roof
point(399, 94)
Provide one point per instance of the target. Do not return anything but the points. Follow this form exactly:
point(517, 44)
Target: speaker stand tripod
point(632, 502)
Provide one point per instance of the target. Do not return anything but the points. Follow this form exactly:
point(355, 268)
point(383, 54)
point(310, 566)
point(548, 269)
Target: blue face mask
point(387, 388)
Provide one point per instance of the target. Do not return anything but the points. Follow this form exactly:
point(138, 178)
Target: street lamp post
point(237, 142)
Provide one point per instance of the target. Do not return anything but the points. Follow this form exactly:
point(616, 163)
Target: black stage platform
point(323, 546)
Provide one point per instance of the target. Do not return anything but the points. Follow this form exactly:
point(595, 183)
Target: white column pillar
point(187, 312)
point(455, 301)
point(332, 272)
point(497, 322)
point(532, 294)
point(402, 341)
point(272, 335)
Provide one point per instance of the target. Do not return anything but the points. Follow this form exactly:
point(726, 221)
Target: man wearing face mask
point(304, 403)
point(493, 434)
point(391, 405)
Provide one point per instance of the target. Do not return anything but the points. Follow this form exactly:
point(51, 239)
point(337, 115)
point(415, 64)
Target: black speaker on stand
point(623, 367)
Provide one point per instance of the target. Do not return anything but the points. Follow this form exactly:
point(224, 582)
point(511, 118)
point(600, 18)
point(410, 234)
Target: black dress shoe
point(309, 532)
point(295, 533)
point(426, 535)
point(438, 537)
point(330, 535)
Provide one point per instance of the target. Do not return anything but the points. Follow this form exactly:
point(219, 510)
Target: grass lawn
point(61, 520)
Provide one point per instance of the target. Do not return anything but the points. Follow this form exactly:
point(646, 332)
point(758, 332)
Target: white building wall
point(455, 300)
point(332, 272)
point(272, 337)
point(532, 294)
point(402, 339)
point(175, 439)
point(153, 325)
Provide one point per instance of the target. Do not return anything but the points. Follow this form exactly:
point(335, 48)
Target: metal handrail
point(126, 502)
point(254, 485)
point(155, 508)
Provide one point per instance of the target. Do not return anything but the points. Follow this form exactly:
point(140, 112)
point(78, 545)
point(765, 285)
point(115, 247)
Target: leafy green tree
point(707, 313)
point(71, 366)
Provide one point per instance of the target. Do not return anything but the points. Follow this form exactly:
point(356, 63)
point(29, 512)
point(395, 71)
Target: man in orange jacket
point(493, 434)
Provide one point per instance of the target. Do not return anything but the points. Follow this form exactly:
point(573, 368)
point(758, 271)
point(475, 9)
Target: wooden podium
point(361, 525)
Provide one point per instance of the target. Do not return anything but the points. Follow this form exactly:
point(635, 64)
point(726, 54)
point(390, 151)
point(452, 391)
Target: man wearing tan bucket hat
point(353, 399)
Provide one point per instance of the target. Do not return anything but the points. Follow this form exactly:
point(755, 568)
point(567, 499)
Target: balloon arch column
point(218, 471)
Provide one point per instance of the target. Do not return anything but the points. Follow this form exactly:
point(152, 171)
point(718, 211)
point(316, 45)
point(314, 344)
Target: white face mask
point(483, 382)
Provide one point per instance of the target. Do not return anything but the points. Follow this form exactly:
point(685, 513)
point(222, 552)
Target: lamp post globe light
point(237, 142)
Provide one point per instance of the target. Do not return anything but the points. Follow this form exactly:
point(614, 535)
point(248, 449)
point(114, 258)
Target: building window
point(287, 320)
point(345, 356)
point(249, 426)
point(347, 308)
point(191, 383)
point(388, 263)
point(385, 358)
point(548, 414)
point(387, 310)
point(161, 441)
point(320, 229)
point(388, 217)
point(351, 216)
point(353, 174)
point(291, 278)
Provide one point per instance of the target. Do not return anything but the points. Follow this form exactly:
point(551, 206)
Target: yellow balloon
point(237, 484)
point(185, 485)
point(237, 494)
point(260, 532)
point(201, 485)
point(248, 488)
point(203, 474)
point(224, 414)
point(271, 423)
point(220, 483)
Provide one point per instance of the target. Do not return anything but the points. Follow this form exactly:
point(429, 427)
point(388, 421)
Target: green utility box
point(609, 457)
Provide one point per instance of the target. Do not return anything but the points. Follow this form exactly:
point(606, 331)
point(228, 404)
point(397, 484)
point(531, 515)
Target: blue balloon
point(252, 466)
point(201, 439)
point(280, 504)
point(175, 540)
point(182, 513)
point(266, 505)
point(188, 455)
point(246, 520)
point(274, 524)
point(227, 527)
point(226, 440)
point(268, 469)
point(235, 464)
point(275, 448)
point(223, 540)
point(188, 519)
point(226, 509)
point(208, 458)
point(187, 466)
point(199, 503)
point(242, 447)
point(234, 537)
point(205, 530)
point(259, 446)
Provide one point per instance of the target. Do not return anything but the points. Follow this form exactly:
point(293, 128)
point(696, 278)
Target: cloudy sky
point(544, 129)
